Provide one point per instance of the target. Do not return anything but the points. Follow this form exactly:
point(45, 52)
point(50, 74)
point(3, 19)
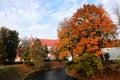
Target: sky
point(40, 18)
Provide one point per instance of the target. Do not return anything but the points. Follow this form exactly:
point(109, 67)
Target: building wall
point(113, 52)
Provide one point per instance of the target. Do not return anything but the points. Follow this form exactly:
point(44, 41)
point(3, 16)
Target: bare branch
point(116, 10)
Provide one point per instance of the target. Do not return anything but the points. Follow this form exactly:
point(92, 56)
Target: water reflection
point(56, 74)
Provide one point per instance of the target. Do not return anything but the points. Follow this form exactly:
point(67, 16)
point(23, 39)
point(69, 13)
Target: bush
point(87, 64)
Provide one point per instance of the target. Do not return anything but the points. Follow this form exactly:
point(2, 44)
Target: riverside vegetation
point(21, 71)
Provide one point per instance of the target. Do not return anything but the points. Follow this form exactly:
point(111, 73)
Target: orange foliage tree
point(82, 37)
point(88, 30)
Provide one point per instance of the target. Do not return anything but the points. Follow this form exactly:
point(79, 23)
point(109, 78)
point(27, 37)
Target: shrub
point(86, 64)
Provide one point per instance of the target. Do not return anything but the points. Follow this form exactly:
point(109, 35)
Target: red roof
point(48, 42)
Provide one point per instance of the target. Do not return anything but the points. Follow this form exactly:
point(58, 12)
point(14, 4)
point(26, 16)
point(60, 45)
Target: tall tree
point(33, 51)
point(25, 46)
point(12, 45)
point(83, 35)
point(89, 30)
point(9, 41)
point(37, 49)
point(36, 53)
point(3, 46)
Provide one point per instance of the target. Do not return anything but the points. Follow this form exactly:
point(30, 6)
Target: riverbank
point(20, 71)
point(15, 72)
point(110, 71)
point(48, 66)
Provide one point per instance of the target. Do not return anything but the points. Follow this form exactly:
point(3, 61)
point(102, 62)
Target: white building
point(113, 52)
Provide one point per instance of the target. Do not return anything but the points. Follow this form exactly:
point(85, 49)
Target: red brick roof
point(48, 42)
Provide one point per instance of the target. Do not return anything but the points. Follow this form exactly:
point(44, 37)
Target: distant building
point(113, 52)
point(49, 42)
point(18, 55)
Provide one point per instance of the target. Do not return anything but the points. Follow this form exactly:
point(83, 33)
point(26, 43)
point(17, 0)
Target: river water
point(56, 74)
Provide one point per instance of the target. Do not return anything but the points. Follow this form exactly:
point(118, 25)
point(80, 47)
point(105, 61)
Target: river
point(56, 74)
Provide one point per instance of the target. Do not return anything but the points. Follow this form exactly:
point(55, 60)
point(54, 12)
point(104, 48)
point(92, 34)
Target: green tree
point(3, 46)
point(12, 45)
point(25, 46)
point(45, 51)
point(36, 53)
point(33, 54)
point(9, 41)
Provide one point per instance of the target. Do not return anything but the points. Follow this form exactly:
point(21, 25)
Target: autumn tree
point(84, 34)
point(64, 44)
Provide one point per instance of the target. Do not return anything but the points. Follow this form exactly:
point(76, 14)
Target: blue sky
point(40, 18)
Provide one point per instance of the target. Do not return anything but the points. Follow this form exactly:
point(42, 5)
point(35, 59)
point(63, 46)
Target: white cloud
point(2, 14)
point(41, 31)
point(40, 27)
point(20, 14)
point(29, 17)
point(67, 9)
